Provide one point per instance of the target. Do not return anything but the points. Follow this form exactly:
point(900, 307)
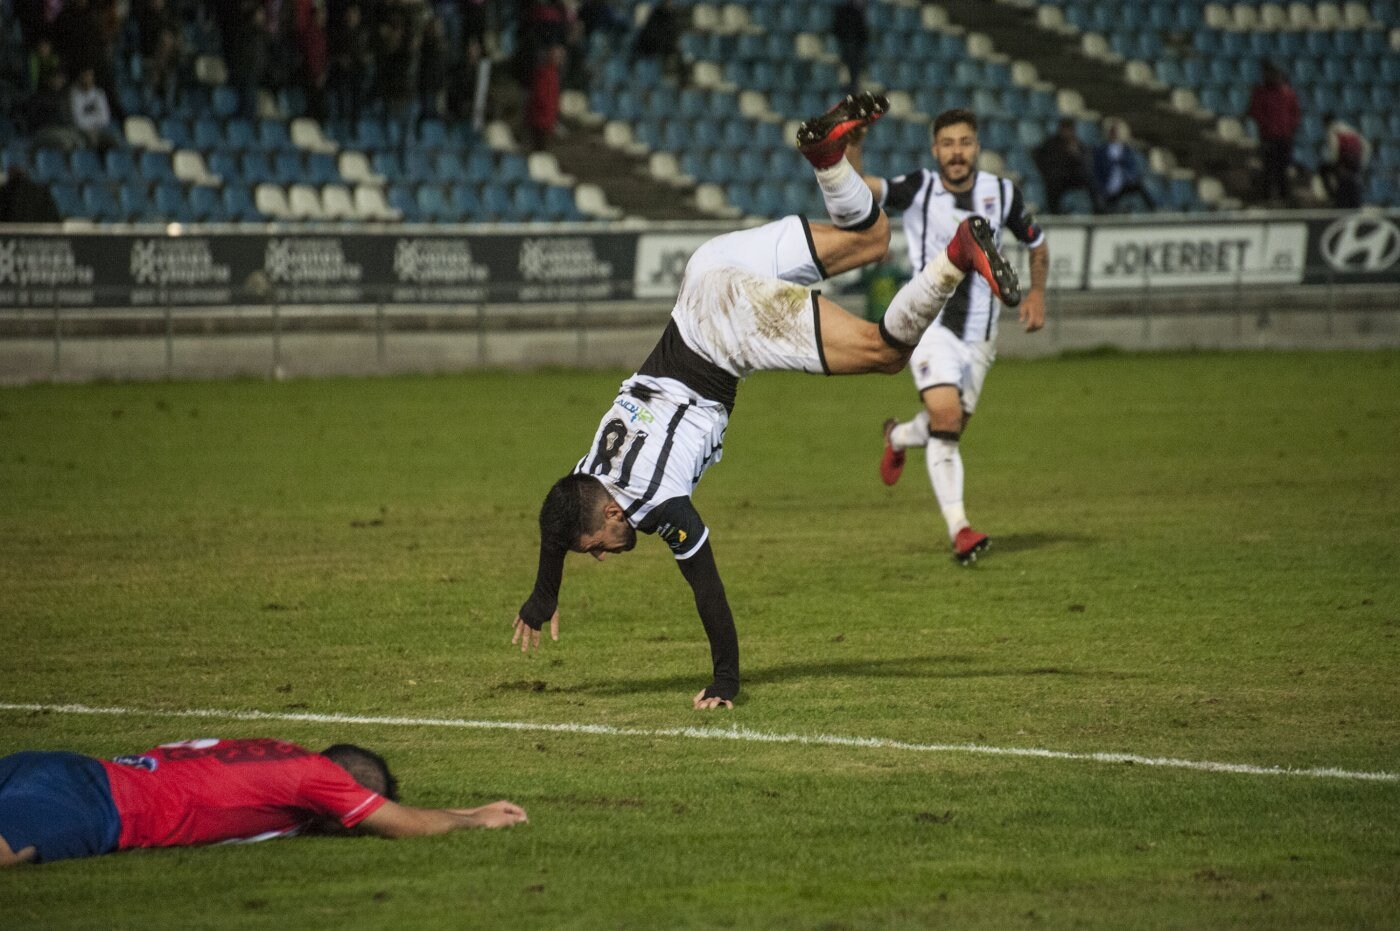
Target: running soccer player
point(952, 359)
point(744, 306)
point(56, 805)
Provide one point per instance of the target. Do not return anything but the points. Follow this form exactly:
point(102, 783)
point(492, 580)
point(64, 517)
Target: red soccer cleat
point(891, 460)
point(822, 139)
point(972, 249)
point(969, 544)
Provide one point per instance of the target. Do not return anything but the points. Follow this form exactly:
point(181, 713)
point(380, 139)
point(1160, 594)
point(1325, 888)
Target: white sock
point(920, 300)
point(848, 199)
point(945, 471)
point(911, 433)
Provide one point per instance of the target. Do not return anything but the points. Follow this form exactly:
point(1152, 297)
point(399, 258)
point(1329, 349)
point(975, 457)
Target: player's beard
point(629, 539)
point(957, 172)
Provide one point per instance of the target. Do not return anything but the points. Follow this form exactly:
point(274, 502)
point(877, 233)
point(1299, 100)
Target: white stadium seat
point(271, 201)
point(189, 167)
point(371, 205)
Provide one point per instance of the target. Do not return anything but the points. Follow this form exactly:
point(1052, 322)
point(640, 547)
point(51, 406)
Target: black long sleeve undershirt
point(703, 575)
point(544, 600)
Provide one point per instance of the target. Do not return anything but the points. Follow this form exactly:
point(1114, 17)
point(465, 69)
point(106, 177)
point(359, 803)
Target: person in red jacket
point(58, 805)
point(1273, 106)
point(542, 110)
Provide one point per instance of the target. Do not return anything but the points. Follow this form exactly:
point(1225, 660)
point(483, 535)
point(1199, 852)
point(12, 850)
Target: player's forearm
point(713, 606)
point(543, 601)
point(1040, 267)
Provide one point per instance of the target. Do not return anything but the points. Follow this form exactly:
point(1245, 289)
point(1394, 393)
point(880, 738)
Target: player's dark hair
point(573, 507)
point(366, 767)
point(952, 118)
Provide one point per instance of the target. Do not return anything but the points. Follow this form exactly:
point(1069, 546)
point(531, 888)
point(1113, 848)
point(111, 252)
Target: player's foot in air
point(972, 249)
point(822, 139)
point(969, 544)
point(891, 460)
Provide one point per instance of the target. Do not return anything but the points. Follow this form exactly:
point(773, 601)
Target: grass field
point(1196, 557)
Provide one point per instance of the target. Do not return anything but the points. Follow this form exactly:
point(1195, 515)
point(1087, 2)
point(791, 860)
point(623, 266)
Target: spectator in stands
point(1118, 169)
point(24, 200)
point(42, 61)
point(432, 69)
point(158, 31)
point(660, 37)
point(46, 116)
point(246, 54)
point(83, 34)
point(315, 62)
point(476, 24)
point(1345, 155)
point(1064, 165)
point(1273, 106)
point(542, 108)
point(602, 16)
point(542, 24)
point(462, 83)
point(351, 65)
point(396, 69)
point(92, 116)
point(852, 32)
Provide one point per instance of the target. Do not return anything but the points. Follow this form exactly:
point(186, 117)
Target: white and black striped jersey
point(931, 217)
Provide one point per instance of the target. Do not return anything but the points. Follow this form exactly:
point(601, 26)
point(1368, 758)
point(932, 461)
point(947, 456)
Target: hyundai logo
point(1361, 243)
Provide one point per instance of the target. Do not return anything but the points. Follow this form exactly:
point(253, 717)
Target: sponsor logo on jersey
point(636, 410)
point(149, 763)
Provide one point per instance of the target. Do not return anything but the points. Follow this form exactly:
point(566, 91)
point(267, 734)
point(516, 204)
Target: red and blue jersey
point(207, 791)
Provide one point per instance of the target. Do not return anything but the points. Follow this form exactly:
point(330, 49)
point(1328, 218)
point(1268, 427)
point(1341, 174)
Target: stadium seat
point(273, 135)
point(135, 203)
point(270, 200)
point(496, 204)
point(171, 203)
point(433, 205)
point(101, 203)
point(155, 166)
point(207, 205)
point(238, 204)
point(371, 204)
point(287, 167)
point(304, 202)
point(69, 200)
point(86, 165)
point(118, 165)
point(465, 203)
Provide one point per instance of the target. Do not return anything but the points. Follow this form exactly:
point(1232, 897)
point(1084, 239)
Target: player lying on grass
point(744, 306)
point(57, 805)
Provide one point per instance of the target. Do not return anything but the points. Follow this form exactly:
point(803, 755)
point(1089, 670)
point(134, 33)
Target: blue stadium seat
point(511, 168)
point(559, 204)
point(496, 204)
point(171, 203)
point(448, 168)
point(119, 165)
point(432, 134)
point(465, 202)
point(255, 168)
point(273, 135)
point(528, 201)
point(86, 165)
point(370, 134)
point(101, 203)
point(155, 166)
point(226, 166)
point(207, 135)
point(238, 203)
point(177, 132)
point(321, 169)
point(69, 200)
point(206, 205)
point(402, 199)
point(224, 101)
point(135, 203)
point(388, 164)
point(287, 167)
point(418, 166)
point(433, 205)
point(240, 134)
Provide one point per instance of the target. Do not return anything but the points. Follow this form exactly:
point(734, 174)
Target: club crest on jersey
point(636, 410)
point(989, 206)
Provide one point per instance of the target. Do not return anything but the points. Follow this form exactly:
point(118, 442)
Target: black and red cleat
point(969, 544)
point(891, 460)
point(822, 139)
point(973, 249)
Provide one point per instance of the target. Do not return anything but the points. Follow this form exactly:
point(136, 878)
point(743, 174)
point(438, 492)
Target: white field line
point(716, 733)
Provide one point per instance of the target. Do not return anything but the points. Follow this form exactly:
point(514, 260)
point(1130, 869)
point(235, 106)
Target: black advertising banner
point(1357, 248)
point(196, 268)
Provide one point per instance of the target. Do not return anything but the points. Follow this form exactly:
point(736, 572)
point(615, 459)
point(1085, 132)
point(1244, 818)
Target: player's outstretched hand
point(701, 703)
point(1032, 311)
point(500, 814)
point(529, 638)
